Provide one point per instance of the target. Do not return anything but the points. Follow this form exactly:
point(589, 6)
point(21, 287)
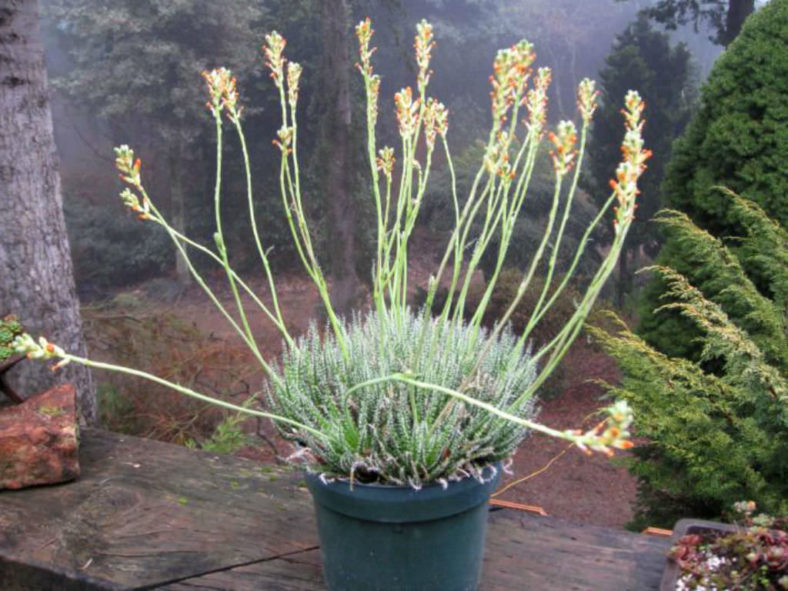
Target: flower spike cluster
point(272, 49)
point(423, 45)
point(285, 135)
point(511, 71)
point(407, 111)
point(41, 349)
point(364, 33)
point(612, 433)
point(496, 159)
point(633, 164)
point(536, 101)
point(129, 168)
point(564, 151)
point(293, 76)
point(385, 161)
point(222, 91)
point(587, 99)
point(436, 121)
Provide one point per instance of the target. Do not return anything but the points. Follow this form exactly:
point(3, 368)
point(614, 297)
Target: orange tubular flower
point(633, 163)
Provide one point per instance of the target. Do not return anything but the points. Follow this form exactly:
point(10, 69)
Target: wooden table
point(147, 515)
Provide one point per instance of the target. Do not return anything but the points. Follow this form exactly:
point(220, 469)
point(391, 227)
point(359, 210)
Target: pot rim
point(403, 504)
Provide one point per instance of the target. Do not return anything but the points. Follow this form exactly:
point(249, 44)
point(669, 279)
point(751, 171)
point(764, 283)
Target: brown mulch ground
point(584, 489)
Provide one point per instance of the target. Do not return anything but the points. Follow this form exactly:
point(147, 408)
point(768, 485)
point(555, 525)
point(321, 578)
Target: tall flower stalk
point(492, 373)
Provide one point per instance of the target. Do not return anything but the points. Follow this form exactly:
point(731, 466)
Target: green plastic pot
point(395, 538)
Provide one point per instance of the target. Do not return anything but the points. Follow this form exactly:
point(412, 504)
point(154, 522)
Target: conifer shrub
point(716, 428)
point(737, 139)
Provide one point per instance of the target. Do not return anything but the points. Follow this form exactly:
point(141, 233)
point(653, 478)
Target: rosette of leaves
point(10, 328)
point(394, 432)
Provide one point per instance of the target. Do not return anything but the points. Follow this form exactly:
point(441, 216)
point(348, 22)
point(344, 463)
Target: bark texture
point(336, 134)
point(36, 278)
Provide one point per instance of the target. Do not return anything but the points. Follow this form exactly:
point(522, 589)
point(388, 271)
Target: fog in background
point(573, 37)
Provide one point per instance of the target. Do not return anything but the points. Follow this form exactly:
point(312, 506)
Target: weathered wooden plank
point(531, 552)
point(295, 572)
point(146, 513)
point(522, 552)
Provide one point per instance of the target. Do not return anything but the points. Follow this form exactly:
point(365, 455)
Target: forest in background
point(122, 77)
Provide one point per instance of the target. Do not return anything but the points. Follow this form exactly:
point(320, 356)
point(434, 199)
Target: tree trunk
point(336, 143)
point(738, 11)
point(36, 278)
point(178, 215)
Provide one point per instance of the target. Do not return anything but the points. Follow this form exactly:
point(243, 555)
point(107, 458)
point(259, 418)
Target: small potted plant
point(10, 328)
point(403, 415)
point(750, 555)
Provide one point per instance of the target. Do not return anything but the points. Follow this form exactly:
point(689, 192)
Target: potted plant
point(750, 555)
point(403, 416)
point(10, 328)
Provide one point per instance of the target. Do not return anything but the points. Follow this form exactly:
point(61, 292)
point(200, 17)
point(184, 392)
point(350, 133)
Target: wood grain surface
point(146, 515)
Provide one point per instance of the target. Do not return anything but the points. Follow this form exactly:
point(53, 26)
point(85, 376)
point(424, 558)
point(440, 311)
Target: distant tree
point(36, 280)
point(138, 64)
point(723, 17)
point(641, 58)
point(738, 139)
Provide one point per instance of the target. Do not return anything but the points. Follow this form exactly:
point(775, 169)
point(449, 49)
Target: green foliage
point(738, 139)
point(10, 328)
point(716, 429)
point(227, 438)
point(395, 433)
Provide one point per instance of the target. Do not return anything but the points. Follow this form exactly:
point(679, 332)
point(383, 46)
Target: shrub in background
point(716, 429)
point(109, 250)
point(738, 139)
